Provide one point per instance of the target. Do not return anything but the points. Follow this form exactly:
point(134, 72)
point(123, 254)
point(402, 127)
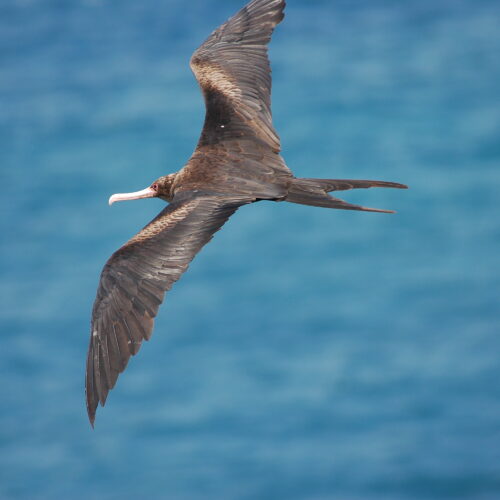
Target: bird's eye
point(155, 186)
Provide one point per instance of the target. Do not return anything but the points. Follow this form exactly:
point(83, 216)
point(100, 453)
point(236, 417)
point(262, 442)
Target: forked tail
point(315, 192)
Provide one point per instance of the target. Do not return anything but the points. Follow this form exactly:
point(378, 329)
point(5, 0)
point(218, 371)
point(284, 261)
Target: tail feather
point(314, 192)
point(329, 185)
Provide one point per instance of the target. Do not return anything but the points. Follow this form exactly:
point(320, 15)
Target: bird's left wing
point(135, 279)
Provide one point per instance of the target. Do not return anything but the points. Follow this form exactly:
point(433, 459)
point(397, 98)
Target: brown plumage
point(236, 162)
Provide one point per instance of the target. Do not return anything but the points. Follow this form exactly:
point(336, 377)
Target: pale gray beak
point(145, 193)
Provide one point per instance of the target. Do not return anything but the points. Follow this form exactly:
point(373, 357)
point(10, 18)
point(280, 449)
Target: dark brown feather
point(314, 192)
point(135, 279)
point(329, 185)
point(236, 167)
point(233, 70)
point(237, 161)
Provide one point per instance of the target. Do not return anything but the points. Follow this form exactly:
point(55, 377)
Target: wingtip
point(91, 416)
point(91, 408)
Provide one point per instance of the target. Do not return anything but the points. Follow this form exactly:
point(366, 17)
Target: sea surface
point(307, 354)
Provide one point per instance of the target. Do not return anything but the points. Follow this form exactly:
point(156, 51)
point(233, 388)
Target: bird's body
point(237, 162)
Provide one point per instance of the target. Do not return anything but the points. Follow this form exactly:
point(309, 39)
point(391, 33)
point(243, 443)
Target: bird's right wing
point(233, 70)
point(135, 279)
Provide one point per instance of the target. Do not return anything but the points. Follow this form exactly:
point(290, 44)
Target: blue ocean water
point(307, 354)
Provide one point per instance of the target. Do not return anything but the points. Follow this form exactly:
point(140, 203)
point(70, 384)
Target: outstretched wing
point(232, 68)
point(134, 281)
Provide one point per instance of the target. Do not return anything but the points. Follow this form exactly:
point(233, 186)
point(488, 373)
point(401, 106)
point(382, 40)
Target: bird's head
point(161, 188)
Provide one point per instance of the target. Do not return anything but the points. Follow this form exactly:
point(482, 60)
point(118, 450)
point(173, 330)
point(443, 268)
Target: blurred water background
point(307, 354)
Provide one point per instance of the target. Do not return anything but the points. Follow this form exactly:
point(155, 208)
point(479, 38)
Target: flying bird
point(236, 162)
